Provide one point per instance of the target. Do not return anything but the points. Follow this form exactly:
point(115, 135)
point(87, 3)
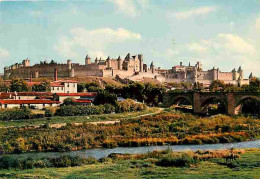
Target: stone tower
point(152, 67)
point(234, 74)
point(108, 62)
point(26, 62)
point(87, 60)
point(119, 63)
point(240, 72)
point(141, 61)
point(251, 75)
point(69, 64)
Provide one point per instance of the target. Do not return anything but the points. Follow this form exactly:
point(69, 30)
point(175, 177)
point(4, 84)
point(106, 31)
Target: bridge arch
point(244, 101)
point(179, 99)
point(217, 100)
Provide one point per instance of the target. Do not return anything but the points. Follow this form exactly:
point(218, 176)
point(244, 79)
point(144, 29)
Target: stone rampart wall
point(225, 76)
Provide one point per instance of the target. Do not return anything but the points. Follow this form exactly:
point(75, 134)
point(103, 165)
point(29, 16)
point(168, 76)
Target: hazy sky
point(220, 33)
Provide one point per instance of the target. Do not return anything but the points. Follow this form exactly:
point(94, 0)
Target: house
point(35, 103)
point(83, 102)
point(26, 95)
point(64, 86)
point(90, 96)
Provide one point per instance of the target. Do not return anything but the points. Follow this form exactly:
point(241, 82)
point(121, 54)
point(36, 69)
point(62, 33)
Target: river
point(104, 152)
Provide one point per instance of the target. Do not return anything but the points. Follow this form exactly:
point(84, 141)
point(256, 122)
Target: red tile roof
point(54, 84)
point(77, 94)
point(33, 83)
point(35, 101)
point(82, 101)
point(60, 83)
point(11, 94)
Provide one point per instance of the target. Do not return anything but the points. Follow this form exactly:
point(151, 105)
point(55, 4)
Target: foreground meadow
point(164, 164)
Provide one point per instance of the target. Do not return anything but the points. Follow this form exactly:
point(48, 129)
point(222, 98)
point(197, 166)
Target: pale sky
point(220, 33)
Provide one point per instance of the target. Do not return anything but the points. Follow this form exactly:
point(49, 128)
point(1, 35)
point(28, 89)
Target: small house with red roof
point(78, 97)
point(64, 86)
point(35, 103)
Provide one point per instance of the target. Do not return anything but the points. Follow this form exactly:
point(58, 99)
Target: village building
point(35, 103)
point(78, 97)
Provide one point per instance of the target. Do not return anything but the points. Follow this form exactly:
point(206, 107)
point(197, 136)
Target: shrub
point(108, 108)
point(12, 162)
point(105, 98)
point(49, 112)
point(69, 101)
point(129, 105)
point(15, 114)
point(177, 161)
point(79, 110)
point(63, 161)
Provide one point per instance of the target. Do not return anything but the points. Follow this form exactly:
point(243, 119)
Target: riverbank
point(166, 128)
point(155, 165)
point(99, 153)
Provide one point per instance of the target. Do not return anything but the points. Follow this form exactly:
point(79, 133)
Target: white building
point(90, 96)
point(64, 86)
point(36, 103)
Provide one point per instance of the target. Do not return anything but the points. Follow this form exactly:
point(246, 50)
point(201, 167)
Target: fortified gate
point(233, 101)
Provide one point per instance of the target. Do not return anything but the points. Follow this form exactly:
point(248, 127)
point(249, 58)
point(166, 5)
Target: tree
point(3, 86)
point(69, 101)
point(81, 87)
point(153, 94)
point(43, 87)
point(217, 85)
point(18, 85)
point(104, 97)
point(134, 91)
point(93, 87)
point(254, 84)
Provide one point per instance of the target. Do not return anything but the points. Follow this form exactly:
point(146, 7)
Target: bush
point(108, 108)
point(79, 110)
point(105, 97)
point(125, 106)
point(15, 114)
point(129, 105)
point(183, 160)
point(49, 112)
point(12, 162)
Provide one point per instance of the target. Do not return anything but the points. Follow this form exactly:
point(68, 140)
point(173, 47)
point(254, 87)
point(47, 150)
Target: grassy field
point(248, 166)
point(77, 119)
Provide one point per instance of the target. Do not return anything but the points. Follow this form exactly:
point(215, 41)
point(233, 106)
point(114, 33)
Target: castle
point(195, 74)
point(131, 67)
point(127, 67)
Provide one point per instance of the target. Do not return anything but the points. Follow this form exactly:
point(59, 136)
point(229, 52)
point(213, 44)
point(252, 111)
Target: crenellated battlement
point(110, 67)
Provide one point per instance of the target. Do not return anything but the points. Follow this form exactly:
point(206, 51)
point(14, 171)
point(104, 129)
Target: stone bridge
point(233, 101)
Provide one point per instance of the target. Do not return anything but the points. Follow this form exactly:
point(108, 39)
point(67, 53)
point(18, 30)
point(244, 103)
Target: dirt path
point(59, 125)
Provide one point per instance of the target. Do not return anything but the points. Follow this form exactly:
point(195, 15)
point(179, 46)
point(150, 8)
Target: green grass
point(76, 119)
point(248, 166)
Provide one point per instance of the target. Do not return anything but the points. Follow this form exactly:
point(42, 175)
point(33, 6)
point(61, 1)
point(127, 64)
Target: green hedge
point(15, 114)
point(85, 110)
point(12, 162)
point(124, 106)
